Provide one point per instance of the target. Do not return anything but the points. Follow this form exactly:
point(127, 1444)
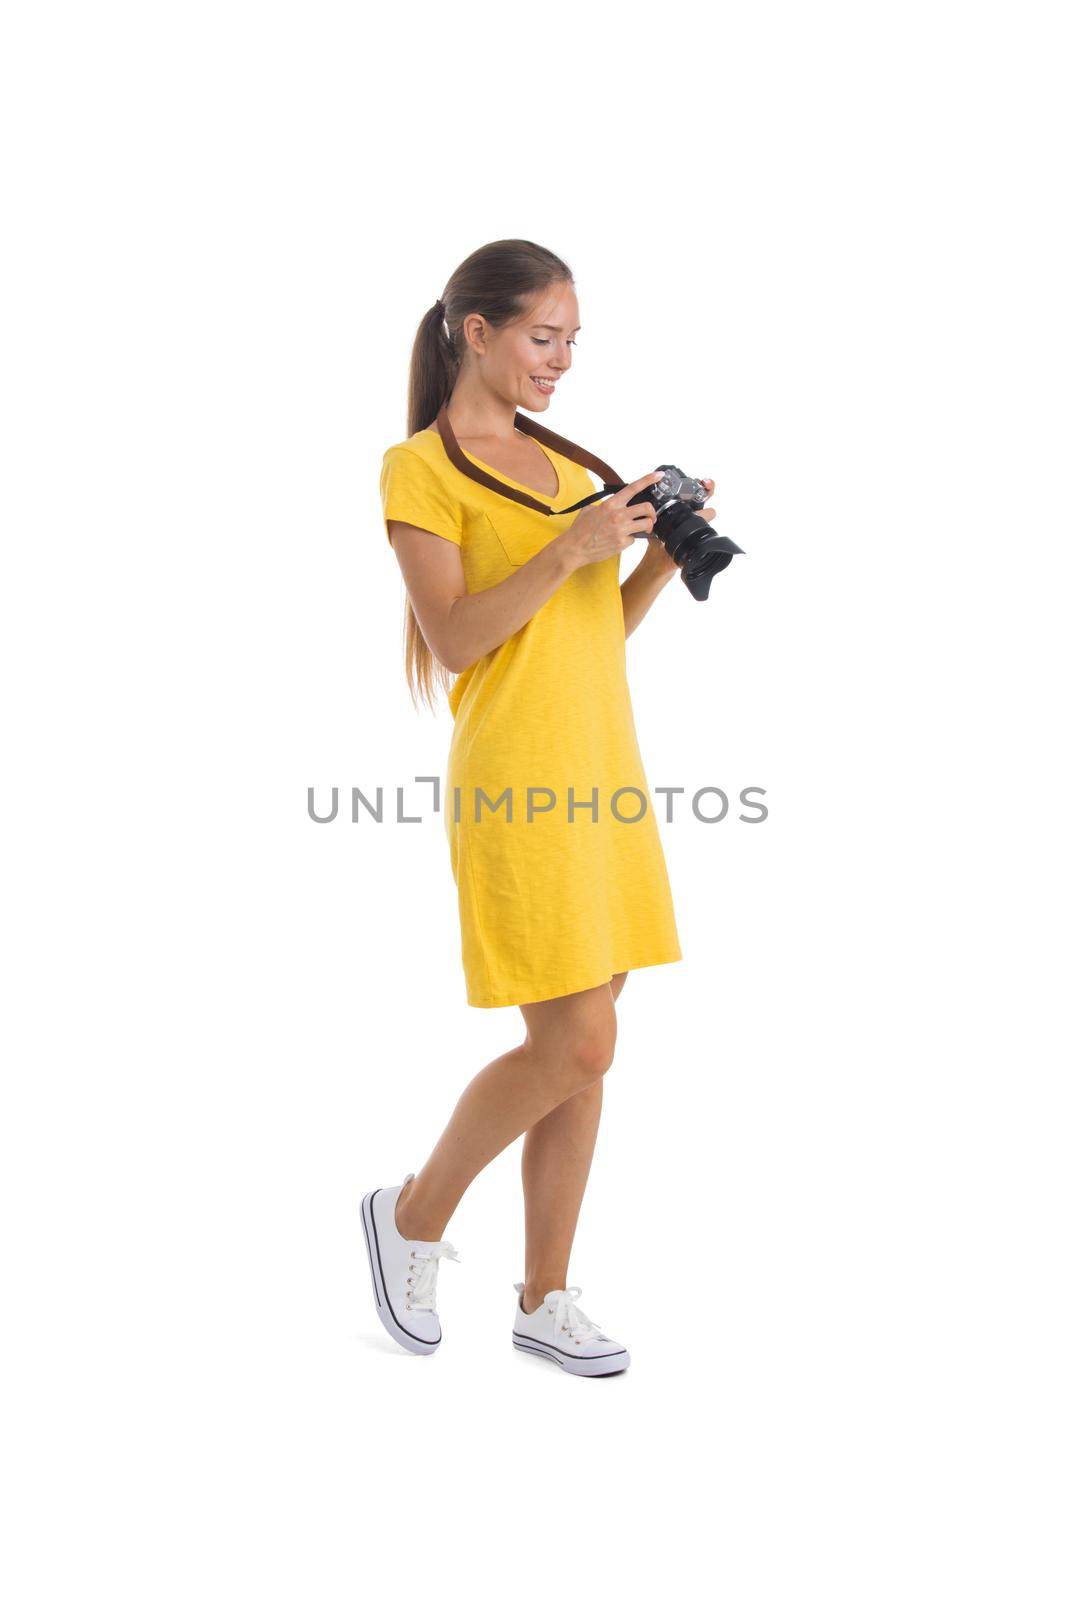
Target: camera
point(691, 542)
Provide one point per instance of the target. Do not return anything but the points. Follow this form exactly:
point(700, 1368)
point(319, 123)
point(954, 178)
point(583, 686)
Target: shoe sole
point(580, 1366)
point(396, 1330)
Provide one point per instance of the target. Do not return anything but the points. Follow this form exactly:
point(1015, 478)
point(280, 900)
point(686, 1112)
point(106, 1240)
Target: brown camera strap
point(554, 441)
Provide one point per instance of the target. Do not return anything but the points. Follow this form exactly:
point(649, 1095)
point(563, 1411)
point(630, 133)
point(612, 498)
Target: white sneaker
point(404, 1272)
point(559, 1330)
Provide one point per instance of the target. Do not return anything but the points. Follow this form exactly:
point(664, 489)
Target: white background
point(818, 257)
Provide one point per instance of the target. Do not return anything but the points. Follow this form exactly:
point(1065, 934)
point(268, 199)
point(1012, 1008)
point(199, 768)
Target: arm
point(652, 573)
point(459, 627)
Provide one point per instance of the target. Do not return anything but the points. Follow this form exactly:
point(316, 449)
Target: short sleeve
point(412, 492)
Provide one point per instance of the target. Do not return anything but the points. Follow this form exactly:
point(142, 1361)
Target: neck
point(475, 412)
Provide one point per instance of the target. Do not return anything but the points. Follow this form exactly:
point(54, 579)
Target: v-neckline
point(514, 482)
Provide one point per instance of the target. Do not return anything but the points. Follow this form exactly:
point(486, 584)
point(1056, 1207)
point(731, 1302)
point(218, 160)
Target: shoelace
point(422, 1295)
point(570, 1319)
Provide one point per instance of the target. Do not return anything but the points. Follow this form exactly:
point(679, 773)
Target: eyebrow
point(551, 326)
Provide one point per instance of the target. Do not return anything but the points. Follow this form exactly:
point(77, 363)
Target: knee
point(592, 1050)
point(577, 1045)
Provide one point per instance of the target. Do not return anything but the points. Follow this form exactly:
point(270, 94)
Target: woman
point(554, 845)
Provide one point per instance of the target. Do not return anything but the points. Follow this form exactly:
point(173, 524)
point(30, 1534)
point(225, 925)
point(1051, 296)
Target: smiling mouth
point(544, 383)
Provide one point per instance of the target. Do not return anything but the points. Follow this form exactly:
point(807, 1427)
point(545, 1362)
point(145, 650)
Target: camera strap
point(555, 441)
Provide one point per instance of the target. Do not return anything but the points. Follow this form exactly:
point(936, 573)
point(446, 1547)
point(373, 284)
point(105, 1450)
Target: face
point(536, 346)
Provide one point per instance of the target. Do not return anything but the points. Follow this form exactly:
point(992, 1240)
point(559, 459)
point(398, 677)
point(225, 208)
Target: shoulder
point(414, 486)
point(421, 457)
point(426, 444)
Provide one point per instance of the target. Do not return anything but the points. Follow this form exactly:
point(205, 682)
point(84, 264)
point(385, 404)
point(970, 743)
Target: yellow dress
point(557, 896)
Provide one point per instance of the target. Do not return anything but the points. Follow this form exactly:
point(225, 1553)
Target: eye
point(536, 340)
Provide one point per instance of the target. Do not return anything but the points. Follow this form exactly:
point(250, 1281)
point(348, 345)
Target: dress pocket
point(523, 533)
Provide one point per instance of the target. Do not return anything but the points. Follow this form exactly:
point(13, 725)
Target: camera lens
point(695, 547)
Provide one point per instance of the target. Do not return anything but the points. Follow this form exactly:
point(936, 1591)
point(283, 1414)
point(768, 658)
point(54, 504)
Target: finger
point(637, 485)
point(709, 484)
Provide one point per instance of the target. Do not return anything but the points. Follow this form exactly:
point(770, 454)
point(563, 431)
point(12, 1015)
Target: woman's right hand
point(611, 525)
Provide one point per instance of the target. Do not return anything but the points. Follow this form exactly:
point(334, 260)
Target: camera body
point(689, 540)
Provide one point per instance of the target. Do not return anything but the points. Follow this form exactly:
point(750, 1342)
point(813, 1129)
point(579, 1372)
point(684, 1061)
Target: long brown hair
point(496, 281)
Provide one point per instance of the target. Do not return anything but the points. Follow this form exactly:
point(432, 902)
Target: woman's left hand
point(708, 511)
point(656, 555)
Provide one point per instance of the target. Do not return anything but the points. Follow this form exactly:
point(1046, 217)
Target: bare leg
point(568, 1047)
point(556, 1156)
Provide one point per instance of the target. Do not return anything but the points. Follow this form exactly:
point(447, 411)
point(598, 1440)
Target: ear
point(475, 331)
